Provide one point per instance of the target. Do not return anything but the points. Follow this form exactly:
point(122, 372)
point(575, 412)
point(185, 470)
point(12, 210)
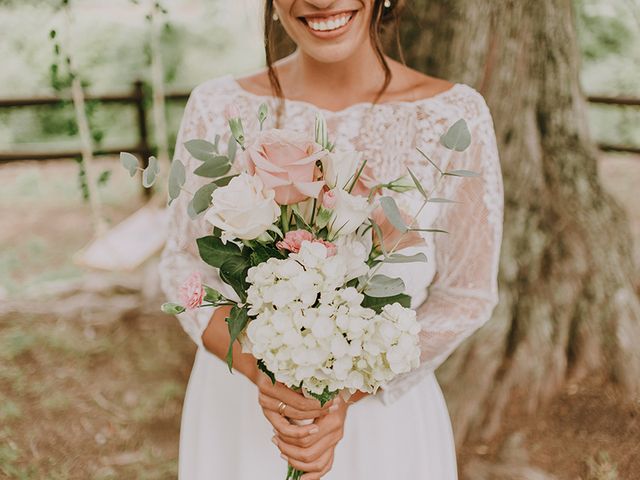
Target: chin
point(330, 53)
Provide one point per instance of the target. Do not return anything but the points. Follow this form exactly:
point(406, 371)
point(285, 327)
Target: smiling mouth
point(328, 23)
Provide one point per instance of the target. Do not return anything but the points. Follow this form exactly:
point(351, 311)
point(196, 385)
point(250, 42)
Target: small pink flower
point(231, 111)
point(192, 292)
point(293, 239)
point(329, 199)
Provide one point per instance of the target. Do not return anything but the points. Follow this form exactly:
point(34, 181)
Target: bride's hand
point(279, 401)
point(313, 453)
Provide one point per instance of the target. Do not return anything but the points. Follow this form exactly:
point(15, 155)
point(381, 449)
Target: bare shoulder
point(257, 82)
point(412, 85)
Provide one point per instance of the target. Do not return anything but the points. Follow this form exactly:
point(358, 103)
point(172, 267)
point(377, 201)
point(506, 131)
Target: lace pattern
point(456, 291)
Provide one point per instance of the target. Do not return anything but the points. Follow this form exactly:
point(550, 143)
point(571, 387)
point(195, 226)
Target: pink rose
point(192, 292)
point(231, 111)
point(366, 183)
point(293, 239)
point(292, 242)
point(286, 163)
point(390, 235)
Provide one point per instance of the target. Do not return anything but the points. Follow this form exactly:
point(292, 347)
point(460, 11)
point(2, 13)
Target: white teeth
point(330, 24)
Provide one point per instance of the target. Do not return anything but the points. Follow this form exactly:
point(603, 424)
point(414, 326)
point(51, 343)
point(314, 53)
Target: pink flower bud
point(192, 292)
point(329, 199)
point(231, 111)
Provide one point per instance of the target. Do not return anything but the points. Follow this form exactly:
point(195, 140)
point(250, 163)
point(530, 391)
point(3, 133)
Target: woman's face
point(329, 31)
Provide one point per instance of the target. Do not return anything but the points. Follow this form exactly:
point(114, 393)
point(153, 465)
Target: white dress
point(404, 431)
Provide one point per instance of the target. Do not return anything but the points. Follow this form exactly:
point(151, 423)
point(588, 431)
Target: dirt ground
point(95, 392)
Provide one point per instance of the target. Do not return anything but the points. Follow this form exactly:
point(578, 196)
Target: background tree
point(568, 306)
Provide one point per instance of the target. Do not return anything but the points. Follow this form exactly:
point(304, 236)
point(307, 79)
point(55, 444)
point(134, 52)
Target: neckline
point(348, 108)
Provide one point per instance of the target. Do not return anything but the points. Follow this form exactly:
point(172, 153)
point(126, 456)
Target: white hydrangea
point(311, 330)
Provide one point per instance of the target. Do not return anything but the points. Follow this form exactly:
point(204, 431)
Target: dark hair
point(381, 18)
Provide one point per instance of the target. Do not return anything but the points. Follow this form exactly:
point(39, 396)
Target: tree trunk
point(567, 304)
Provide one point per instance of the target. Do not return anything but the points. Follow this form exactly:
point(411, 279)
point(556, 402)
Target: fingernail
point(275, 441)
point(314, 430)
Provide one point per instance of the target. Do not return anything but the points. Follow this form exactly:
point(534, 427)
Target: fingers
point(319, 475)
point(271, 403)
point(315, 466)
point(311, 453)
point(293, 399)
point(283, 427)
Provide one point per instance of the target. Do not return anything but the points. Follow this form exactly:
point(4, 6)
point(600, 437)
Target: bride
point(234, 426)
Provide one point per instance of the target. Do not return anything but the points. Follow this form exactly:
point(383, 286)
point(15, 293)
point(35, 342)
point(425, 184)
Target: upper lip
point(326, 14)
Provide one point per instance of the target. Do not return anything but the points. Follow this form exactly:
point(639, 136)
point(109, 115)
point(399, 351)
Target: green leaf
point(458, 137)
point(172, 308)
point(214, 168)
point(378, 231)
point(261, 253)
point(383, 286)
point(418, 184)
point(324, 397)
point(233, 272)
point(263, 111)
point(150, 173)
point(392, 212)
point(428, 230)
point(378, 303)
point(224, 181)
point(191, 212)
point(236, 321)
point(177, 177)
point(202, 198)
point(232, 147)
point(214, 252)
point(263, 368)
point(399, 258)
point(211, 294)
point(429, 160)
point(462, 173)
point(441, 200)
point(130, 162)
point(201, 150)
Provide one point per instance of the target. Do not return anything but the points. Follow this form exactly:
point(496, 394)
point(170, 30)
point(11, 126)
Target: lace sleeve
point(180, 256)
point(464, 291)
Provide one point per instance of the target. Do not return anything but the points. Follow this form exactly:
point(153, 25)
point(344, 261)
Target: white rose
point(340, 168)
point(243, 209)
point(349, 213)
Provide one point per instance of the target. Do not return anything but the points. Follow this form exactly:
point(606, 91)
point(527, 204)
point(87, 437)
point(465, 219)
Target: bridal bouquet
point(299, 231)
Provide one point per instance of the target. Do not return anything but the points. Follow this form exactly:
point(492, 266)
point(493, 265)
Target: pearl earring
point(275, 17)
point(387, 3)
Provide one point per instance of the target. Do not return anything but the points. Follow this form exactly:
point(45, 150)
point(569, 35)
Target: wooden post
point(143, 129)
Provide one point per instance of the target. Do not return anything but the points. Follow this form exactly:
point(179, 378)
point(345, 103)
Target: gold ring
point(281, 408)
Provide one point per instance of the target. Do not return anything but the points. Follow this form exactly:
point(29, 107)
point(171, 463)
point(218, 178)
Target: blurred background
point(92, 375)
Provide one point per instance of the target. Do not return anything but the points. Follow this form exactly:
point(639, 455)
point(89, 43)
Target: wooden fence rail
point(137, 97)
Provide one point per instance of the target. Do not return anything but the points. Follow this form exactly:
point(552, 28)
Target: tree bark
point(568, 307)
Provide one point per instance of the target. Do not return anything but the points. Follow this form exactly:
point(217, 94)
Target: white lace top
point(455, 292)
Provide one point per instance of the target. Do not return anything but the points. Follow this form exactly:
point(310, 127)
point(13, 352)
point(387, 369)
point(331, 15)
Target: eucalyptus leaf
point(392, 212)
point(177, 177)
point(428, 230)
point(429, 160)
point(399, 258)
point(191, 211)
point(224, 181)
point(378, 232)
point(150, 173)
point(263, 111)
point(462, 173)
point(201, 149)
point(441, 200)
point(382, 286)
point(212, 295)
point(202, 198)
point(236, 321)
point(214, 168)
point(130, 162)
point(418, 184)
point(458, 137)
